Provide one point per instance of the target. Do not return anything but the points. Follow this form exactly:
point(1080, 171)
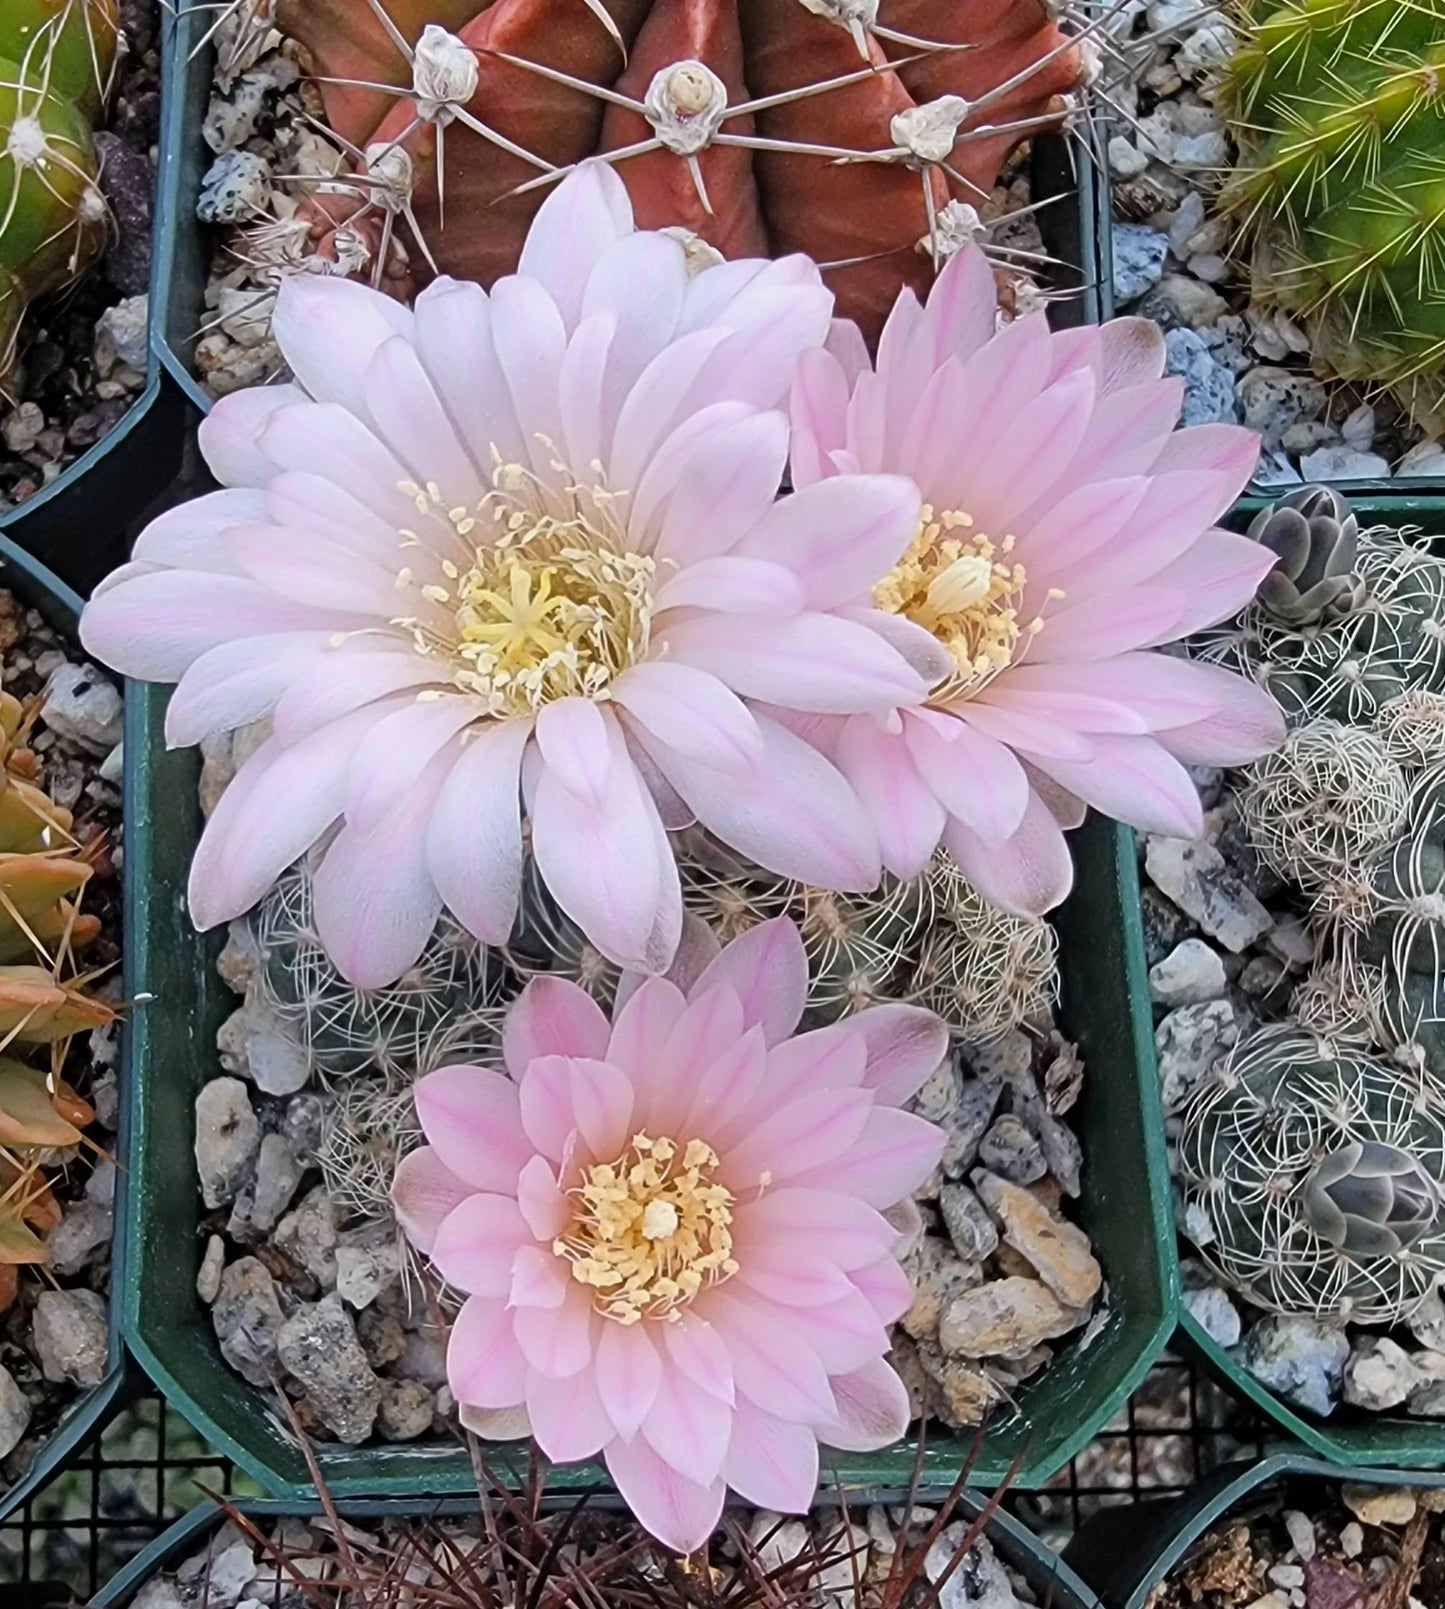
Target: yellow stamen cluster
point(966, 589)
point(542, 605)
point(649, 1230)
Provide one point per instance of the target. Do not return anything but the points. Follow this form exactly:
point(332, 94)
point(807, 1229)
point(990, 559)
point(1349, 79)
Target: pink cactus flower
point(1067, 532)
point(520, 548)
point(670, 1229)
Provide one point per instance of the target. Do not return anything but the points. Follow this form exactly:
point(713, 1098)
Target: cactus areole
point(843, 129)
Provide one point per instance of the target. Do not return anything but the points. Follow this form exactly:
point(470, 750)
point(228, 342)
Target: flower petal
point(475, 1244)
point(772, 1462)
point(329, 328)
point(1028, 875)
point(767, 968)
point(629, 1375)
point(423, 1191)
point(680, 1513)
point(891, 1157)
point(906, 1046)
point(905, 811)
point(873, 1409)
point(485, 1366)
point(558, 1342)
point(567, 1416)
point(552, 1017)
point(690, 712)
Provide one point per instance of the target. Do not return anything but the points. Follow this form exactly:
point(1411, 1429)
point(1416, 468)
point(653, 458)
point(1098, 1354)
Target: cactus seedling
point(57, 58)
point(1314, 532)
point(1338, 109)
point(839, 128)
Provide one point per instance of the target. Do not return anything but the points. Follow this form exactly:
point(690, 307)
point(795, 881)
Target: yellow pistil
point(650, 1229)
point(539, 605)
point(966, 589)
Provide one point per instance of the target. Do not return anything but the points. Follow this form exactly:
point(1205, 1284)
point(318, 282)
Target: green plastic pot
point(1348, 1438)
point(1071, 228)
point(1053, 1582)
point(79, 526)
point(1125, 1553)
point(171, 1053)
point(37, 588)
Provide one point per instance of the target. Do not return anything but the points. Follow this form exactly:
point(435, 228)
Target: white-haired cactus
point(366, 1131)
point(1313, 1176)
point(57, 59)
point(457, 987)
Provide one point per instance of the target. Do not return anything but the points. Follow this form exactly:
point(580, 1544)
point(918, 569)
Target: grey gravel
point(70, 1332)
point(228, 1138)
point(247, 1317)
point(318, 1345)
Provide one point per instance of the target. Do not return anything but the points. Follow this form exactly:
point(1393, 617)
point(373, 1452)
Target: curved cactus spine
point(57, 61)
point(1317, 1172)
point(837, 129)
point(1338, 109)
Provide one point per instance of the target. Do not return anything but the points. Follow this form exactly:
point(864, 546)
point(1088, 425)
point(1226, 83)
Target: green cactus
point(57, 61)
point(1312, 1177)
point(366, 1131)
point(1338, 110)
point(448, 1006)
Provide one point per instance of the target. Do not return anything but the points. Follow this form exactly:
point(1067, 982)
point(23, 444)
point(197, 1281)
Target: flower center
point(966, 589)
point(650, 1229)
point(550, 605)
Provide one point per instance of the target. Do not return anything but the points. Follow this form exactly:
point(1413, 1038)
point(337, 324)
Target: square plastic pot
point(79, 526)
point(1053, 1582)
point(1125, 1553)
point(1351, 1439)
point(38, 589)
point(1070, 227)
point(171, 1053)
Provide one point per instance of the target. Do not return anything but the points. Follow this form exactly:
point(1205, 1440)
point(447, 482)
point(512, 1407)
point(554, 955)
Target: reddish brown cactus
point(760, 125)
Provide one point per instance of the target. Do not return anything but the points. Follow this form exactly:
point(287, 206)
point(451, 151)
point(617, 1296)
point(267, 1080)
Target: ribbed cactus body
point(57, 58)
point(1338, 109)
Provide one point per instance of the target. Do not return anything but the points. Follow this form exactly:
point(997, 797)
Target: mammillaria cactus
point(838, 128)
point(56, 62)
point(1316, 1171)
point(1336, 108)
point(1314, 532)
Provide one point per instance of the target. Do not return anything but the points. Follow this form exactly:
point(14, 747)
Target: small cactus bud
point(685, 105)
point(1315, 535)
point(1371, 1199)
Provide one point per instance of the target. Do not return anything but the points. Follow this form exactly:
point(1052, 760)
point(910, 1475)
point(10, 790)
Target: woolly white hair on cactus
point(520, 554)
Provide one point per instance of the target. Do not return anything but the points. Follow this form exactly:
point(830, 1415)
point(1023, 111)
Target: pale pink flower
point(1068, 531)
point(520, 548)
point(670, 1229)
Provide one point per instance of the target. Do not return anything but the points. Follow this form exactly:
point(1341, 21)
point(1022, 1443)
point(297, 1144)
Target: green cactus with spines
point(1338, 110)
point(1314, 1177)
point(57, 62)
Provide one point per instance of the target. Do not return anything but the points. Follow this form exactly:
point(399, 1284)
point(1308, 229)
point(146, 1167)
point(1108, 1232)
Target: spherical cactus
point(457, 987)
point(1314, 532)
point(1412, 728)
point(1313, 1174)
point(366, 1131)
point(1329, 799)
point(861, 947)
point(1338, 110)
point(839, 128)
point(57, 58)
point(983, 970)
point(546, 939)
point(1340, 999)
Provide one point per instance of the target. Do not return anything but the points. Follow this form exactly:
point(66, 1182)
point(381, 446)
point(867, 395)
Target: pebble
point(81, 706)
point(1191, 973)
point(1288, 1576)
point(1008, 1148)
point(318, 1345)
point(278, 1172)
point(1380, 1375)
point(1126, 160)
point(363, 1272)
point(973, 1232)
point(1177, 300)
point(208, 1275)
point(14, 1412)
point(1303, 1359)
point(1197, 879)
point(776, 1541)
point(71, 1336)
point(1214, 1313)
point(253, 1043)
point(1188, 220)
point(1167, 15)
point(228, 1138)
point(1206, 50)
point(308, 1237)
point(1359, 427)
point(122, 334)
point(1343, 463)
point(1301, 1533)
point(939, 1275)
point(1005, 1318)
point(84, 1229)
point(1210, 266)
point(1189, 1042)
point(1059, 1251)
point(235, 188)
point(405, 1410)
point(1209, 151)
point(1139, 254)
point(1352, 1539)
point(1424, 458)
point(247, 1317)
point(1379, 1505)
point(967, 1124)
point(1274, 399)
point(1208, 384)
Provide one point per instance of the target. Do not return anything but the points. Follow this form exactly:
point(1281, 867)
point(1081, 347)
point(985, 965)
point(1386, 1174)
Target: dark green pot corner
point(1125, 1553)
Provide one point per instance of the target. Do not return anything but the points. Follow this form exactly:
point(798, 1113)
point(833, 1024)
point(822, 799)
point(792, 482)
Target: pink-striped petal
point(473, 1122)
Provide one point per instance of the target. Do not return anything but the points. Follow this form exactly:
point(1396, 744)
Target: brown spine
point(660, 182)
point(835, 211)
